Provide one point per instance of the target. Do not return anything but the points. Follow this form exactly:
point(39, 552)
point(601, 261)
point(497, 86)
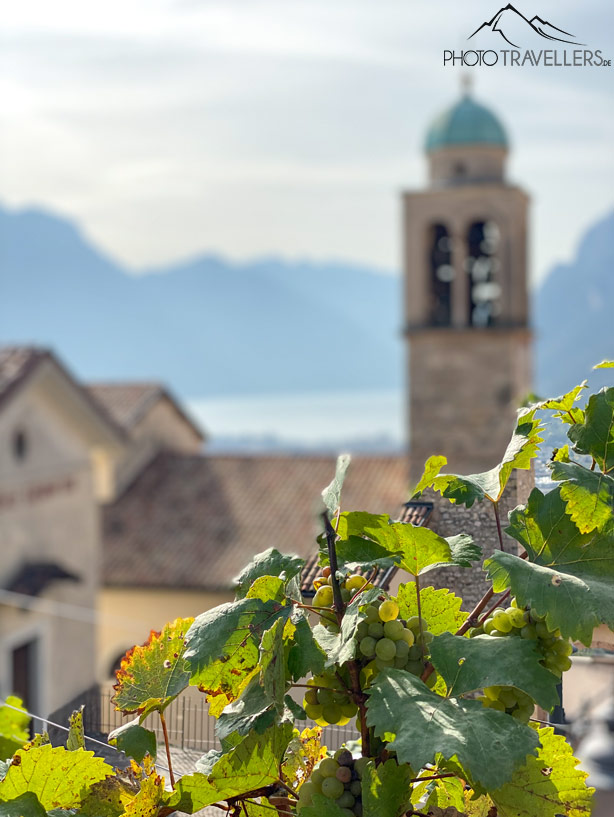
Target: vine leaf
point(588, 495)
point(76, 739)
point(332, 493)
point(522, 448)
point(252, 711)
point(58, 777)
point(547, 785)
point(440, 608)
point(222, 647)
point(595, 435)
point(569, 575)
point(13, 727)
point(479, 734)
point(305, 655)
point(251, 765)
point(26, 805)
point(386, 789)
point(443, 793)
point(302, 755)
point(151, 676)
point(151, 794)
point(268, 563)
point(108, 798)
point(564, 406)
point(468, 664)
point(605, 364)
point(273, 664)
point(134, 740)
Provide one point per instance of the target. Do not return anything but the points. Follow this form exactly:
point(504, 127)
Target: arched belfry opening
point(466, 302)
point(442, 275)
point(483, 267)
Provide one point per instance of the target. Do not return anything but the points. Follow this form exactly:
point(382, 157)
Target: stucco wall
point(127, 616)
point(48, 512)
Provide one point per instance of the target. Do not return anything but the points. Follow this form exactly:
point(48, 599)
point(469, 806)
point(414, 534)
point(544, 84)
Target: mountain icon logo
point(518, 31)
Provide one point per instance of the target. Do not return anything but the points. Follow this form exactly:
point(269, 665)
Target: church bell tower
point(466, 302)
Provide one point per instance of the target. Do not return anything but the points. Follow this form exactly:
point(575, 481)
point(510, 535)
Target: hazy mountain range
point(208, 326)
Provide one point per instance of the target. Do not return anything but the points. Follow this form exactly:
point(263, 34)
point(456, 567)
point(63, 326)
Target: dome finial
point(466, 83)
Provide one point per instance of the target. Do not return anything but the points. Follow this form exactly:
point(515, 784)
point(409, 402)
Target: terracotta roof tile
point(125, 402)
point(16, 363)
point(195, 521)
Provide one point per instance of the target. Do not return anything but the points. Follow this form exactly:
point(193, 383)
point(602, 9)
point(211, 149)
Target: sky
point(289, 127)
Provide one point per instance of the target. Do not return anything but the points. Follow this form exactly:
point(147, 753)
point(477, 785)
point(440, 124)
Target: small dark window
point(20, 445)
point(460, 170)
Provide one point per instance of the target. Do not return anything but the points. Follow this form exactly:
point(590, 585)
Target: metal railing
point(189, 724)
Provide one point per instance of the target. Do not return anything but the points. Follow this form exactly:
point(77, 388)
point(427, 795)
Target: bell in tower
point(466, 302)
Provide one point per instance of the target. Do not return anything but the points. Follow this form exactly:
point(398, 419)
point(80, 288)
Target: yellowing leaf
point(13, 727)
point(151, 676)
point(440, 608)
point(58, 777)
point(547, 785)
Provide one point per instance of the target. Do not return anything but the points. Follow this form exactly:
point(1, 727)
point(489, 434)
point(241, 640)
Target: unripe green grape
point(328, 767)
point(360, 764)
point(348, 709)
point(413, 623)
point(508, 697)
point(399, 663)
point(367, 646)
point(381, 663)
point(385, 649)
point(563, 663)
point(347, 812)
point(415, 667)
point(562, 647)
point(541, 628)
point(388, 610)
point(529, 632)
point(311, 696)
point(376, 630)
point(514, 602)
point(345, 595)
point(492, 692)
point(306, 791)
point(332, 788)
point(476, 631)
point(402, 648)
point(408, 636)
point(314, 712)
point(346, 800)
point(489, 626)
point(323, 597)
point(331, 713)
point(371, 613)
point(325, 696)
point(516, 616)
point(363, 628)
point(415, 652)
point(316, 778)
point(393, 629)
point(356, 788)
point(427, 637)
point(355, 582)
point(502, 621)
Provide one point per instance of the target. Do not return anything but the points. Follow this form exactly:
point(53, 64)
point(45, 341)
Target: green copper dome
point(466, 123)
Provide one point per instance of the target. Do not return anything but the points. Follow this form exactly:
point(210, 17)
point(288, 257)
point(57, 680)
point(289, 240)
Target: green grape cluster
point(509, 699)
point(339, 779)
point(385, 640)
point(323, 598)
point(327, 701)
point(525, 623)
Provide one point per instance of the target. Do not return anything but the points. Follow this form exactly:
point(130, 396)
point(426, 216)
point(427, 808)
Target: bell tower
point(466, 301)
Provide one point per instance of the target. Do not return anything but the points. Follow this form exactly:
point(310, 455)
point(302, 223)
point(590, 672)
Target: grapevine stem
point(432, 777)
point(288, 789)
point(473, 615)
point(168, 748)
point(313, 686)
point(419, 605)
point(332, 558)
point(499, 531)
